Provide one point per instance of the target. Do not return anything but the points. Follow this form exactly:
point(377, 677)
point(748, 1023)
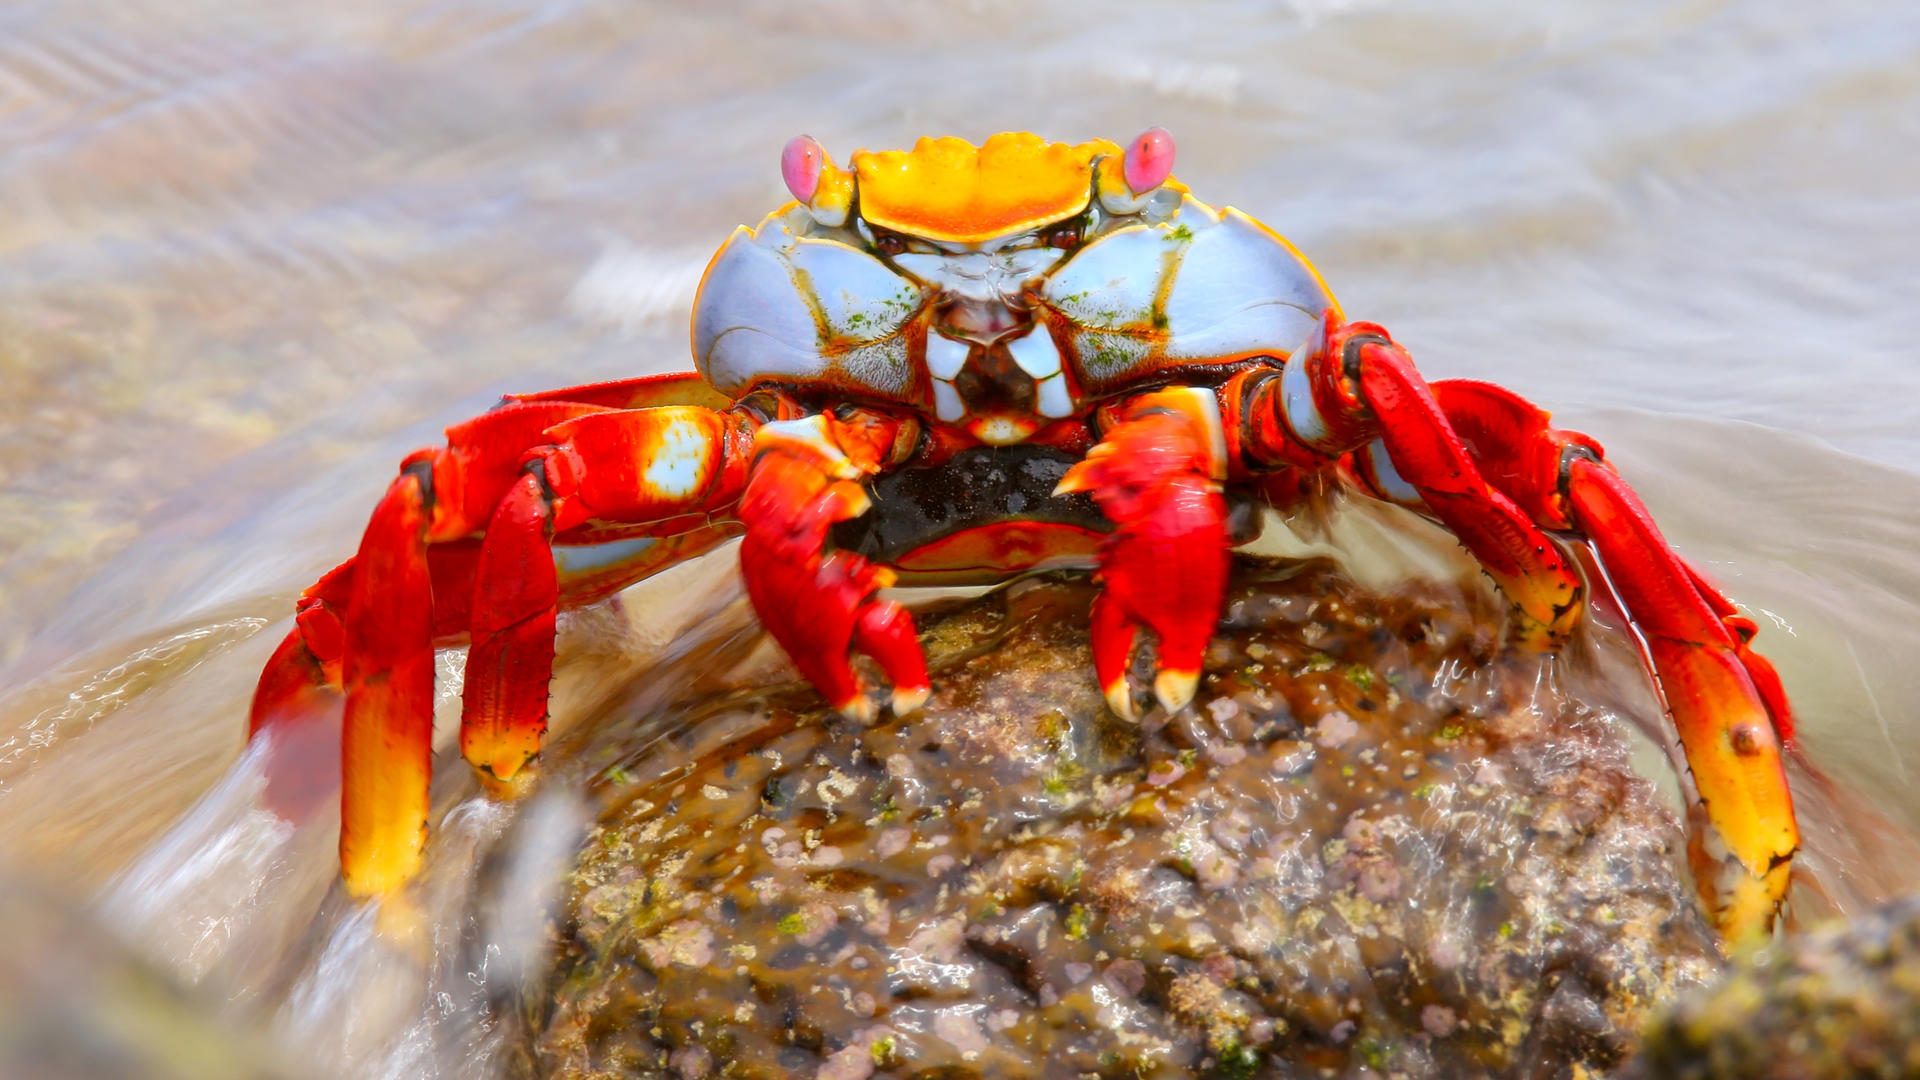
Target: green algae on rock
point(1378, 842)
point(1842, 1001)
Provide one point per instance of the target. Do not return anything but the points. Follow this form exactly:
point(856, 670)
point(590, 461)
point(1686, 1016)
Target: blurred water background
point(252, 254)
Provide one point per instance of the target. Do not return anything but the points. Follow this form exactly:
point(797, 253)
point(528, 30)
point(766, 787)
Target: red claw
point(1155, 475)
point(820, 604)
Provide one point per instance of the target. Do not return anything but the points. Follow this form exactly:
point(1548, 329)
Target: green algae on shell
point(1375, 843)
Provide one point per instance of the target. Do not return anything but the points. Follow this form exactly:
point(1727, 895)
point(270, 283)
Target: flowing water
point(252, 254)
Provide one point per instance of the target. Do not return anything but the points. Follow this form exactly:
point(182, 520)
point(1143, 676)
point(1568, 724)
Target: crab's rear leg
point(1726, 700)
point(1353, 391)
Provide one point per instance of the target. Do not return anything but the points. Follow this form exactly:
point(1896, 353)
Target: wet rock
point(1373, 845)
point(1843, 1001)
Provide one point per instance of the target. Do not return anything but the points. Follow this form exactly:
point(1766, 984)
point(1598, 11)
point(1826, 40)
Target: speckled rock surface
point(1372, 846)
point(1843, 1001)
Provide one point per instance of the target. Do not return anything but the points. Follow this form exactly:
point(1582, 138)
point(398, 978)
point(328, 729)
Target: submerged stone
point(1377, 843)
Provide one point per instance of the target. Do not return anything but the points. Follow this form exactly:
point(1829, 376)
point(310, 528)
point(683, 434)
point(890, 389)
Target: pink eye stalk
point(800, 166)
point(1149, 160)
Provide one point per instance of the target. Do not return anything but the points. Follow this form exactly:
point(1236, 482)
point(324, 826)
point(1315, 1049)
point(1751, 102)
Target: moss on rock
point(1841, 1002)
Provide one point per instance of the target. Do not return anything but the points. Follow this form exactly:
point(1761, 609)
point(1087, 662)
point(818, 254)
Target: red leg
point(647, 465)
point(1416, 458)
point(1728, 707)
point(503, 716)
point(1157, 475)
point(520, 477)
point(1488, 465)
point(386, 745)
point(817, 603)
point(1351, 390)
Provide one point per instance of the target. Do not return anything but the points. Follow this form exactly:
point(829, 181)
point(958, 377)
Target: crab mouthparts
point(996, 371)
point(981, 322)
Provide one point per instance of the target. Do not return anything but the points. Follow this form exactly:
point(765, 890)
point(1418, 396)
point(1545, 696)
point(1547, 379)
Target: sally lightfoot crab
point(957, 364)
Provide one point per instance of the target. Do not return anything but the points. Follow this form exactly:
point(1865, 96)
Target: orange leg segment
point(386, 747)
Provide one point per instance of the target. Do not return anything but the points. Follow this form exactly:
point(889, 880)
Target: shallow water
point(252, 256)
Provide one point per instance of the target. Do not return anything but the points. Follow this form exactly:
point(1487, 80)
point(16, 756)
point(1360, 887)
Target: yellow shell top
point(948, 189)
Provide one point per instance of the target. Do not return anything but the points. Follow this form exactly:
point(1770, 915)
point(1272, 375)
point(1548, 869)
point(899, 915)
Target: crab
point(958, 364)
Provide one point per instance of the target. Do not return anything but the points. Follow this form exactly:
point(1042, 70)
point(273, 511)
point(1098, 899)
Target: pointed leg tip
point(1744, 903)
point(1120, 700)
point(859, 709)
point(1174, 689)
point(507, 785)
point(498, 762)
point(908, 700)
point(1744, 911)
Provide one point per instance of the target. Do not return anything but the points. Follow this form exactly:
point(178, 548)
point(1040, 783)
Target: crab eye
point(1066, 236)
point(887, 243)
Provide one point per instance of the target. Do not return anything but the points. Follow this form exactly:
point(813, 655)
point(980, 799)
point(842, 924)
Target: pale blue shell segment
point(793, 302)
point(579, 560)
point(1387, 476)
point(1198, 286)
point(779, 307)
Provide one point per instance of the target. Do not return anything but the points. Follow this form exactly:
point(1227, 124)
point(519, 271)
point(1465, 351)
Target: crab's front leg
point(1353, 392)
point(1157, 475)
point(821, 604)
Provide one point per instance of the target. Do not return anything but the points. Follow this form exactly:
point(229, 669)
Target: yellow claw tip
point(1174, 689)
point(859, 708)
point(499, 757)
point(1748, 908)
point(507, 785)
point(908, 700)
point(1074, 481)
point(399, 921)
point(1120, 700)
point(858, 502)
